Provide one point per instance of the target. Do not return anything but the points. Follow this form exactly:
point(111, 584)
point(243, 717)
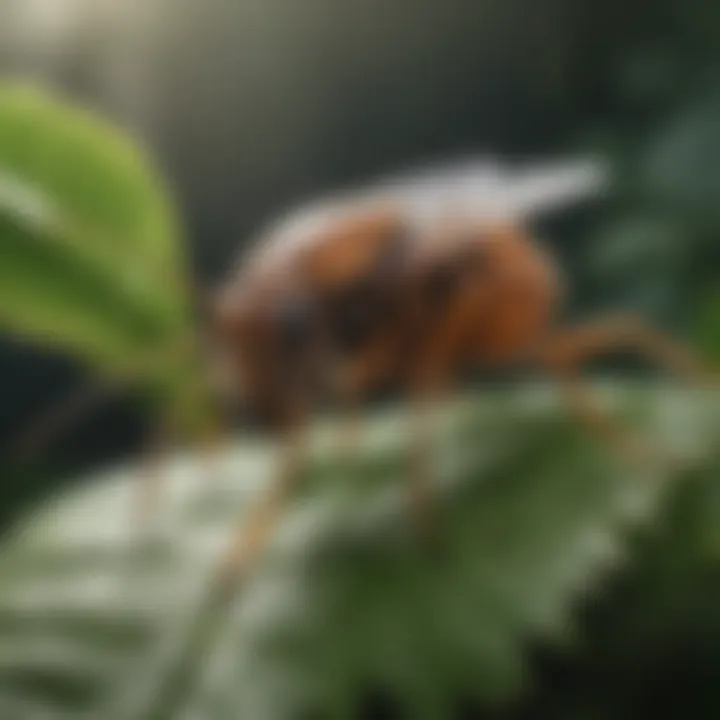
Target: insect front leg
point(255, 529)
point(291, 361)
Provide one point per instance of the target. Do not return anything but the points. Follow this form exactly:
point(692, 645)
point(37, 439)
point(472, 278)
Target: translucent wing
point(472, 189)
point(483, 189)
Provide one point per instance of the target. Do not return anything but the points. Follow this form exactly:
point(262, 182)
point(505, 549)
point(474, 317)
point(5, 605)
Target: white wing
point(471, 190)
point(484, 189)
point(544, 188)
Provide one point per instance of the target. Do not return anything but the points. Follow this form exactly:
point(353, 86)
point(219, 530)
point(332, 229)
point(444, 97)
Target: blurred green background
point(253, 105)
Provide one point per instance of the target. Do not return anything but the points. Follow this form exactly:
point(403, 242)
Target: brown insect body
point(367, 299)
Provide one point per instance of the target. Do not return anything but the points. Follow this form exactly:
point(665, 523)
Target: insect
point(405, 284)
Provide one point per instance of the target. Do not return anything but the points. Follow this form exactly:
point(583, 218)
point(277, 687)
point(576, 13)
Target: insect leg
point(428, 384)
point(349, 425)
point(567, 350)
point(422, 502)
point(254, 531)
point(614, 334)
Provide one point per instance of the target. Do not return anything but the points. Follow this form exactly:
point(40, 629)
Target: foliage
point(91, 261)
point(657, 245)
point(533, 516)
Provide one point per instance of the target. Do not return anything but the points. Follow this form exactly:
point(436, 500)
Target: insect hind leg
point(567, 350)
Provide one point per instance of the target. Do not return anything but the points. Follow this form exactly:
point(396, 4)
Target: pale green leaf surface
point(532, 515)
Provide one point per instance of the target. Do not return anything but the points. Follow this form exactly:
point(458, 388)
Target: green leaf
point(91, 258)
point(532, 514)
